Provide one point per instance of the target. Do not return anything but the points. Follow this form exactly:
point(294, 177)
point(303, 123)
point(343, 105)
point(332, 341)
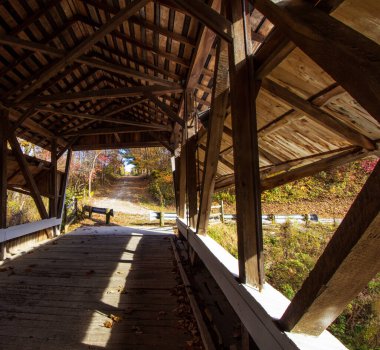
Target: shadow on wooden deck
point(62, 295)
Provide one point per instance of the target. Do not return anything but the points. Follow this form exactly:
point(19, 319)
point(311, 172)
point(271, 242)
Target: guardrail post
point(108, 216)
point(221, 211)
point(162, 219)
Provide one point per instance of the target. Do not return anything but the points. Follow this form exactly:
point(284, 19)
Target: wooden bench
point(105, 211)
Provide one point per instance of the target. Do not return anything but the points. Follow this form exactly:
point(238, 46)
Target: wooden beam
point(102, 118)
point(215, 127)
point(25, 229)
point(134, 91)
point(191, 180)
point(63, 185)
point(351, 255)
point(53, 202)
point(30, 112)
point(259, 324)
point(246, 152)
point(4, 132)
point(126, 106)
point(91, 62)
point(268, 183)
point(318, 115)
point(181, 208)
point(206, 38)
point(316, 167)
point(166, 109)
point(191, 163)
point(208, 17)
point(329, 43)
point(34, 191)
point(122, 130)
point(84, 46)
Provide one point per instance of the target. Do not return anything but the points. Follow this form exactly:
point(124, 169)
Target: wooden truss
point(282, 90)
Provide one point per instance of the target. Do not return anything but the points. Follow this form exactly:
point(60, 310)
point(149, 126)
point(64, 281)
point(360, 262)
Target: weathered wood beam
point(4, 132)
point(316, 167)
point(53, 190)
point(318, 115)
point(126, 106)
point(82, 145)
point(129, 91)
point(34, 191)
point(351, 255)
point(181, 207)
point(53, 202)
point(204, 43)
point(101, 118)
point(68, 146)
point(215, 128)
point(208, 17)
point(63, 184)
point(166, 109)
point(191, 180)
point(30, 112)
point(329, 43)
point(281, 166)
point(337, 159)
point(84, 46)
point(121, 130)
point(246, 152)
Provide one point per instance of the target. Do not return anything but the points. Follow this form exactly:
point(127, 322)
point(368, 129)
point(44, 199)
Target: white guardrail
point(266, 219)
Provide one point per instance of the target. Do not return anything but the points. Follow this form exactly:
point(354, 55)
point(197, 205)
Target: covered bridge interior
point(252, 94)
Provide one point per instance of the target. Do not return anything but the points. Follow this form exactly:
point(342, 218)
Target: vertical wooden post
point(53, 202)
point(191, 180)
point(246, 155)
point(162, 219)
point(182, 184)
point(65, 179)
point(175, 170)
point(4, 129)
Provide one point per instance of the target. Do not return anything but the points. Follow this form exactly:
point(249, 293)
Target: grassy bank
point(290, 252)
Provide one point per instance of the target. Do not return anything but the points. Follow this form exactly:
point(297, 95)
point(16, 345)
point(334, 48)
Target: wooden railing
point(70, 213)
point(259, 311)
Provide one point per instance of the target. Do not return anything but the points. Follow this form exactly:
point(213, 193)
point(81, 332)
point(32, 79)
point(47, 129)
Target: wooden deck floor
point(61, 295)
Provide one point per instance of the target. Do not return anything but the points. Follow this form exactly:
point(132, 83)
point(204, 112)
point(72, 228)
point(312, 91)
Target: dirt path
point(124, 195)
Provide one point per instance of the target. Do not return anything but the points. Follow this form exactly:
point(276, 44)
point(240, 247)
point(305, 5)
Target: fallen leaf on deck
point(115, 318)
point(108, 324)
